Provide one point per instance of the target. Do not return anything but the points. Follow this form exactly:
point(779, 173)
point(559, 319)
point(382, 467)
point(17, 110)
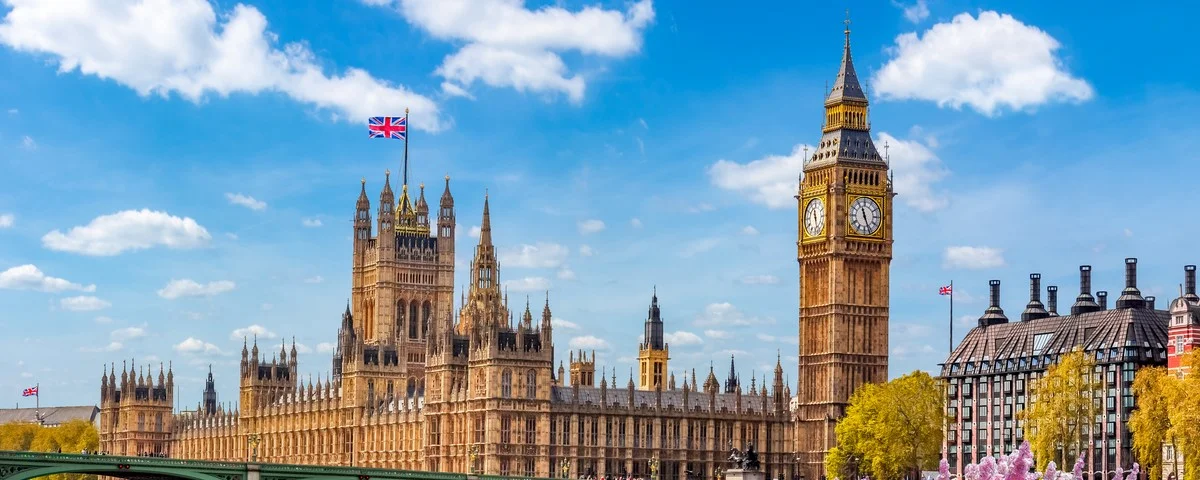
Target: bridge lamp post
point(654, 468)
point(565, 467)
point(474, 453)
point(253, 441)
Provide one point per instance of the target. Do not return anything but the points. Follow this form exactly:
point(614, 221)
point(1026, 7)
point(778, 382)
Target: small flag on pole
point(946, 290)
point(388, 127)
point(30, 392)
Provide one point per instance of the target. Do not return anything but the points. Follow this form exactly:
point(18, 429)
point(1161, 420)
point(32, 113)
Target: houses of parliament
point(418, 384)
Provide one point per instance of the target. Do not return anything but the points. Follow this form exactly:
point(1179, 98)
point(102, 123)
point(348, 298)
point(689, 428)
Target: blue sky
point(180, 173)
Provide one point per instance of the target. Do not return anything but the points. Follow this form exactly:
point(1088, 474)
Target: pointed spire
point(846, 85)
point(363, 201)
point(485, 228)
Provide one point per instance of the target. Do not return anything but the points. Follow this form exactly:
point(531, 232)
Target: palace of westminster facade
point(416, 385)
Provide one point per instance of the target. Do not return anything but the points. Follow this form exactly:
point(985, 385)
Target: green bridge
point(28, 465)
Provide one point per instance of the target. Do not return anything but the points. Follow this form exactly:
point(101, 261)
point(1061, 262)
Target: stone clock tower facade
point(844, 250)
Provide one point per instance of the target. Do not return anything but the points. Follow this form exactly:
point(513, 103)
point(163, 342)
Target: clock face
point(865, 216)
point(814, 217)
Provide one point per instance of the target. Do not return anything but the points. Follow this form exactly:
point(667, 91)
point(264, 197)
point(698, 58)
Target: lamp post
point(653, 468)
point(565, 467)
point(253, 440)
point(474, 453)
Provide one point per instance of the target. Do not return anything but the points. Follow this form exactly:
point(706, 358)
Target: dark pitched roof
point(846, 85)
point(50, 415)
point(619, 398)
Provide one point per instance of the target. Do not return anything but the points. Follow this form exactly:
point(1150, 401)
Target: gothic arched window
point(506, 384)
point(531, 385)
point(412, 387)
point(158, 424)
point(425, 313)
point(412, 319)
point(141, 421)
point(400, 306)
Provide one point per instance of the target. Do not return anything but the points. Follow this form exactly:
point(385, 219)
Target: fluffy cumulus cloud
point(771, 181)
point(128, 230)
point(7, 220)
point(682, 338)
point(127, 333)
point(246, 201)
point(560, 323)
point(586, 251)
point(253, 331)
point(913, 12)
point(160, 47)
point(987, 63)
point(591, 226)
point(325, 347)
point(111, 347)
point(311, 222)
point(972, 258)
point(915, 169)
point(314, 279)
point(528, 284)
point(565, 273)
point(749, 230)
point(724, 314)
point(195, 346)
point(190, 288)
point(588, 342)
point(28, 143)
point(505, 44)
point(83, 304)
point(474, 231)
point(539, 255)
point(29, 277)
point(717, 334)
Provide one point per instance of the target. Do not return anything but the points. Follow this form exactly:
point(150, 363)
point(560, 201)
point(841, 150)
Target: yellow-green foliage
point(1061, 409)
point(1149, 423)
point(890, 429)
point(74, 436)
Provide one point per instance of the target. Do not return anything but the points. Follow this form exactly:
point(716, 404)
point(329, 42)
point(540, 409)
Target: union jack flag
point(946, 290)
point(30, 392)
point(388, 127)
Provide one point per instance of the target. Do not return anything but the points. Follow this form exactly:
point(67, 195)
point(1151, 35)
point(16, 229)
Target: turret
point(362, 220)
point(777, 388)
point(210, 394)
point(446, 217)
point(386, 202)
point(733, 381)
point(422, 209)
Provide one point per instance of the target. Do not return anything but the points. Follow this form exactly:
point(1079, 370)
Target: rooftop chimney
point(1189, 272)
point(1102, 297)
point(994, 314)
point(1150, 302)
point(1084, 303)
point(1052, 300)
point(1130, 296)
point(1034, 309)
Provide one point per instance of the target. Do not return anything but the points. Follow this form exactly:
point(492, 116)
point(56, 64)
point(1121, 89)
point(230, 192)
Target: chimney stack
point(1150, 302)
point(1084, 303)
point(994, 314)
point(1052, 300)
point(1189, 272)
point(1102, 297)
point(1034, 309)
point(1130, 296)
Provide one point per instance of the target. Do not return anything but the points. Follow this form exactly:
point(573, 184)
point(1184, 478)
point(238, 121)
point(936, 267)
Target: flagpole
point(951, 316)
point(406, 146)
point(37, 399)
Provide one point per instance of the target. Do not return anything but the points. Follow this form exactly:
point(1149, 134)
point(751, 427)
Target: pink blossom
point(943, 470)
point(1051, 472)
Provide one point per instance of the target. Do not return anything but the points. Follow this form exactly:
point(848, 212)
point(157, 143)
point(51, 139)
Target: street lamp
point(253, 441)
point(654, 468)
point(565, 468)
point(474, 453)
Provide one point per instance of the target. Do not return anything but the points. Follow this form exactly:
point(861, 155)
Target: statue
point(750, 459)
point(735, 456)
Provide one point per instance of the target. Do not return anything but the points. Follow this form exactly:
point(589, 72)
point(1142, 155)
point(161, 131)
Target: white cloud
point(28, 143)
point(760, 280)
point(565, 273)
point(641, 145)
point(749, 230)
point(590, 226)
point(724, 314)
point(717, 334)
point(771, 181)
point(560, 323)
point(325, 347)
point(231, 236)
point(764, 337)
point(456, 91)
point(915, 12)
point(189, 288)
point(696, 247)
point(316, 279)
point(302, 348)
point(111, 347)
point(972, 258)
point(906, 351)
point(83, 304)
point(127, 333)
point(128, 230)
point(588, 342)
point(474, 231)
point(246, 201)
point(29, 277)
point(915, 168)
point(103, 320)
point(635, 223)
point(986, 63)
point(311, 222)
point(187, 48)
point(682, 338)
point(540, 255)
point(13, 111)
point(505, 44)
point(7, 220)
point(196, 346)
point(253, 331)
point(529, 284)
point(586, 251)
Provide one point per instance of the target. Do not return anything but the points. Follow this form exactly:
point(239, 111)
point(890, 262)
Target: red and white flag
point(946, 290)
point(30, 392)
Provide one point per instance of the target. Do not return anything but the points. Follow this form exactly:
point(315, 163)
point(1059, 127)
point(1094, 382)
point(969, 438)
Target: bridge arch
point(138, 472)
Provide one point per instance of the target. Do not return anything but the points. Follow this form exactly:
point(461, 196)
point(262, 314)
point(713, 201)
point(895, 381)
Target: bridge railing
point(109, 459)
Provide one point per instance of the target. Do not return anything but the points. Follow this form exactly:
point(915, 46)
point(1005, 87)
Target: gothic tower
point(844, 250)
point(136, 413)
point(653, 353)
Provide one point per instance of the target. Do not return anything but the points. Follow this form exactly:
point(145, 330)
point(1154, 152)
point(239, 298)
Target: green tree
point(1061, 408)
point(71, 437)
point(1149, 423)
point(890, 429)
point(1184, 414)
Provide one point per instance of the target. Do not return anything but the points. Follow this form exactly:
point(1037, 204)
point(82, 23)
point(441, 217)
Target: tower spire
point(485, 227)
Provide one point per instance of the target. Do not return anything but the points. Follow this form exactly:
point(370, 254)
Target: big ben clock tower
point(844, 249)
